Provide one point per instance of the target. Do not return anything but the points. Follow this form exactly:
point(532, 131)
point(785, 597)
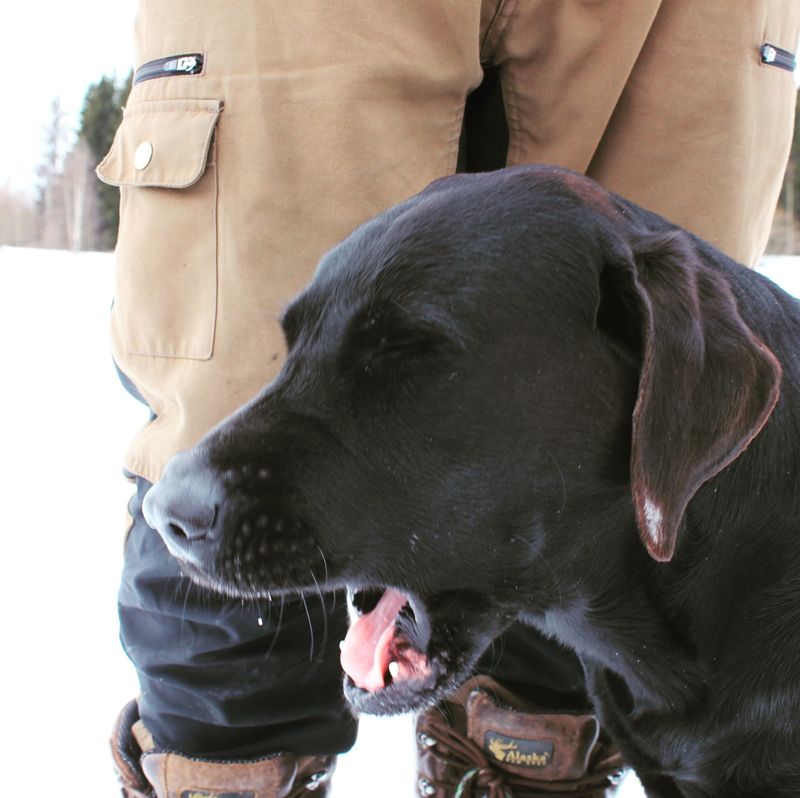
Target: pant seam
point(497, 26)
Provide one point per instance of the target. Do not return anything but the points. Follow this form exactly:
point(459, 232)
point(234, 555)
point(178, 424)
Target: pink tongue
point(365, 651)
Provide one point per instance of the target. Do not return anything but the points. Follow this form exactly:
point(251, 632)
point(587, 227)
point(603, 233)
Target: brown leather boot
point(147, 772)
point(487, 743)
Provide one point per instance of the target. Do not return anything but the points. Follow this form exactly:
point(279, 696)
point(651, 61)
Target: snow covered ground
point(66, 423)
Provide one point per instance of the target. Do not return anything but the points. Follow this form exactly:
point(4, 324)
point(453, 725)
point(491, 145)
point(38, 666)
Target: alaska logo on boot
point(515, 751)
point(206, 794)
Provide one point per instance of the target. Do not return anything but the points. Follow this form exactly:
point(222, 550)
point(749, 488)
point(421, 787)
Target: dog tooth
point(341, 645)
point(394, 670)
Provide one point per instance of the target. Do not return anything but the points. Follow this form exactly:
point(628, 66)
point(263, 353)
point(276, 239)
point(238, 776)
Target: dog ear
point(707, 384)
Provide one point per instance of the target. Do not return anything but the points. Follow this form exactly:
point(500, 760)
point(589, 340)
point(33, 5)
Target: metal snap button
point(143, 155)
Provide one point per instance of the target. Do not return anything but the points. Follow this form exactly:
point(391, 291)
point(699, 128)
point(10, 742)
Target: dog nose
point(183, 507)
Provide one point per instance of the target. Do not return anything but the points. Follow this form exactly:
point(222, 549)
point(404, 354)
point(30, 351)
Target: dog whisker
point(310, 628)
point(324, 613)
point(324, 562)
point(189, 584)
point(276, 632)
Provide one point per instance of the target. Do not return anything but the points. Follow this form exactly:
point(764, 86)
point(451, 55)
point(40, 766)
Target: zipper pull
point(171, 66)
point(777, 56)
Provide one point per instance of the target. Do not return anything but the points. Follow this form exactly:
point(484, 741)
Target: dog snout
point(184, 507)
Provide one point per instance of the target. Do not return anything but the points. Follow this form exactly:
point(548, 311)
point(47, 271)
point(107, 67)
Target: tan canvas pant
point(299, 120)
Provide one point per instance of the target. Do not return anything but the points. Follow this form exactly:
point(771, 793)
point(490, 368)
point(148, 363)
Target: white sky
point(50, 48)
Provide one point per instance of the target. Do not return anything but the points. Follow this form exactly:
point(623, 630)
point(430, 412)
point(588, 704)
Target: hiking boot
point(487, 743)
point(126, 754)
point(148, 772)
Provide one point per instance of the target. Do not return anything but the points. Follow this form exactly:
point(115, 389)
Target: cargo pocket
point(162, 159)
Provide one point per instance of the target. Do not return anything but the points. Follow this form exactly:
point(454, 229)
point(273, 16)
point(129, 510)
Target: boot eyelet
point(426, 788)
point(316, 780)
point(425, 740)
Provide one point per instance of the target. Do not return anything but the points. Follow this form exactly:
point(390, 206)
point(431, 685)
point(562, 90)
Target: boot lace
point(482, 779)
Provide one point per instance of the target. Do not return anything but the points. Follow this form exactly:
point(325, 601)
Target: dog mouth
point(386, 641)
point(385, 651)
point(403, 653)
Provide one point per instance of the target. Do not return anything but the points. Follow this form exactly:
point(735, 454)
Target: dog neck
point(651, 667)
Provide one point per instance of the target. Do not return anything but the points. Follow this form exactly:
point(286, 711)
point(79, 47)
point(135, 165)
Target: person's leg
point(303, 121)
point(702, 131)
point(255, 138)
point(668, 103)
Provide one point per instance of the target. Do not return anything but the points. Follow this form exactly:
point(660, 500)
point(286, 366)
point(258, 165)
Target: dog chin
point(413, 695)
point(398, 656)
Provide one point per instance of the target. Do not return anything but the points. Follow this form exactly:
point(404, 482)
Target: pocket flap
point(161, 143)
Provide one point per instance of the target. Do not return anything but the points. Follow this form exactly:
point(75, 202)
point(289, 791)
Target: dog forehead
point(391, 258)
point(491, 233)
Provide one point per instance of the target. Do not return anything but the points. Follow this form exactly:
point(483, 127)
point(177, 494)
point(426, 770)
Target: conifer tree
point(100, 117)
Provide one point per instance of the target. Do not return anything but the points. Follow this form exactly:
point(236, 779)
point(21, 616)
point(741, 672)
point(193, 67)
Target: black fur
point(492, 392)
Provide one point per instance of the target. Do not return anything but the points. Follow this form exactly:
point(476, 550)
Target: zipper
point(778, 57)
point(172, 65)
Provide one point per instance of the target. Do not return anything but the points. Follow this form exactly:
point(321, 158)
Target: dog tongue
point(365, 651)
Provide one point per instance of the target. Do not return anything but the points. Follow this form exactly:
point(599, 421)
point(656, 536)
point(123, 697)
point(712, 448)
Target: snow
point(784, 270)
point(66, 424)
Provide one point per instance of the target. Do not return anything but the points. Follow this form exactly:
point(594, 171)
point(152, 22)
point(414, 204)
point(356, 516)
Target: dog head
point(487, 387)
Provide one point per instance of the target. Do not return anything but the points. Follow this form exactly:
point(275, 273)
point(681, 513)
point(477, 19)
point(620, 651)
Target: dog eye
point(384, 337)
point(388, 347)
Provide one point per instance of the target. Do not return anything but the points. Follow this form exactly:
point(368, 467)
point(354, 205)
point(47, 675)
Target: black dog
point(495, 390)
